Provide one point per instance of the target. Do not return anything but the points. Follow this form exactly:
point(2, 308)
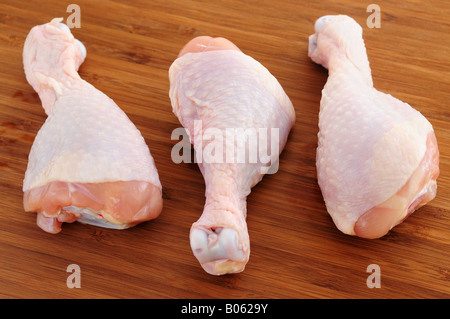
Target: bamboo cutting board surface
point(296, 251)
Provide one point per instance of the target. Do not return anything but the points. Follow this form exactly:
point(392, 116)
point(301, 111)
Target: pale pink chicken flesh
point(88, 162)
point(206, 43)
point(212, 81)
point(377, 158)
point(418, 191)
point(110, 204)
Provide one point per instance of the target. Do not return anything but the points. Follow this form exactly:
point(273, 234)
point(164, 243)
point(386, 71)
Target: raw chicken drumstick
point(88, 161)
point(213, 83)
point(377, 158)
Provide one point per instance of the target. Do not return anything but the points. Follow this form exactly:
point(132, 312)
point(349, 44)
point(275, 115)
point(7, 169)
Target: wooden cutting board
point(296, 251)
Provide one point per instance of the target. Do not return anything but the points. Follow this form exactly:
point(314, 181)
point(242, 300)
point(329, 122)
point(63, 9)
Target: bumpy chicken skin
point(214, 83)
point(88, 161)
point(377, 157)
